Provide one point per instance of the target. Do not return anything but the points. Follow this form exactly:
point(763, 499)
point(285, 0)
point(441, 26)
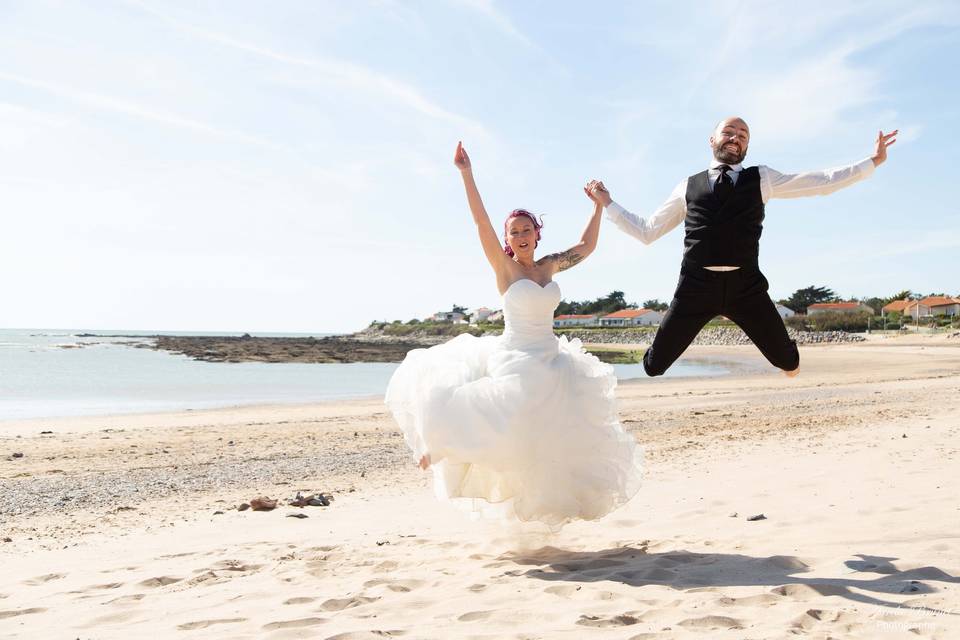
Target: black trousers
point(740, 295)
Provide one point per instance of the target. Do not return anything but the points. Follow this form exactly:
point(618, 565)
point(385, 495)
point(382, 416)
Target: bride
point(524, 421)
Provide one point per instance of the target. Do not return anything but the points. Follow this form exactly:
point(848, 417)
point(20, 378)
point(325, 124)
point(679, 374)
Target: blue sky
point(287, 166)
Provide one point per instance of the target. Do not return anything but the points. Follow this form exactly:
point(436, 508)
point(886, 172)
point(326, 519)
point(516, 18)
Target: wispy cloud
point(132, 109)
point(349, 73)
point(498, 18)
point(506, 26)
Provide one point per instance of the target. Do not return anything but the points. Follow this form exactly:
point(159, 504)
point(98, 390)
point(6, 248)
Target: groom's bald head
point(730, 140)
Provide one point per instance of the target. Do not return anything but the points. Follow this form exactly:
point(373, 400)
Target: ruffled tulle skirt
point(533, 431)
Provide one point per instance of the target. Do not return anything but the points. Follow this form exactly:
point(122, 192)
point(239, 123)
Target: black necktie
point(723, 187)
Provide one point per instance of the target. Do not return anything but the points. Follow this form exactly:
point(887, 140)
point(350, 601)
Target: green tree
point(655, 305)
point(803, 298)
point(906, 294)
point(614, 301)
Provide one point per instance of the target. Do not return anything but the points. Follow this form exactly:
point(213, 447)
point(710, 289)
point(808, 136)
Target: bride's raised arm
point(588, 241)
point(488, 237)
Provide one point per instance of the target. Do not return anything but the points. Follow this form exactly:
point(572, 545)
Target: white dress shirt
point(773, 184)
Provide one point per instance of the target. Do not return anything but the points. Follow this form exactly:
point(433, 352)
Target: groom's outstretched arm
point(774, 184)
point(667, 216)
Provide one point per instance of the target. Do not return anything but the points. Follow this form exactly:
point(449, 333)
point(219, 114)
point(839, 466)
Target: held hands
point(598, 193)
point(461, 159)
point(884, 140)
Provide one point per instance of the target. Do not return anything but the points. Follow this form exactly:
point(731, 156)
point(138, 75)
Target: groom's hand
point(884, 140)
point(598, 193)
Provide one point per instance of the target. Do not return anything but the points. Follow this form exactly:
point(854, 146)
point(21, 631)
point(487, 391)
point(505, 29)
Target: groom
point(722, 209)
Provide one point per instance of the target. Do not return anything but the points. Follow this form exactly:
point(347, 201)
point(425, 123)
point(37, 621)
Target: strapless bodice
point(528, 315)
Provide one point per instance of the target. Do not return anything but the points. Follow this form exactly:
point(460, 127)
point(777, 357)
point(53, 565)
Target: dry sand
point(854, 464)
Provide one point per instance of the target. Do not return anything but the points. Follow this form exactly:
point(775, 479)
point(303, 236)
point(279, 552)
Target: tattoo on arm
point(565, 259)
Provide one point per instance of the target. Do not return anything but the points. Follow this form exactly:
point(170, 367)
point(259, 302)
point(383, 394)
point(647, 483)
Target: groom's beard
point(729, 156)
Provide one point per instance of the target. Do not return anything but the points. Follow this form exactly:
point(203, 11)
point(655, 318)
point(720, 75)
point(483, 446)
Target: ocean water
point(51, 373)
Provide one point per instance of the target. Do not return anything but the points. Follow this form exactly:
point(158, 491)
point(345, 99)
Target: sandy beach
point(127, 526)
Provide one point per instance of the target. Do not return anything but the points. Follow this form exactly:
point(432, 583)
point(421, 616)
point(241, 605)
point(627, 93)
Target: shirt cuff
point(866, 167)
point(614, 211)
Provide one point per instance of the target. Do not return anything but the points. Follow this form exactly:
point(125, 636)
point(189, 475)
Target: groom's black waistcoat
point(723, 233)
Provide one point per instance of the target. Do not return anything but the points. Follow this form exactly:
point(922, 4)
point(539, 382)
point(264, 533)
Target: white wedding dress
point(524, 421)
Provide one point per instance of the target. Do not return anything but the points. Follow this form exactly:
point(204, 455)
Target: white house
point(574, 320)
point(838, 307)
point(897, 306)
point(785, 312)
point(496, 316)
point(448, 316)
point(933, 306)
point(631, 318)
point(480, 314)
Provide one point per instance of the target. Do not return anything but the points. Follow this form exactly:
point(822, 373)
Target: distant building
point(897, 306)
point(448, 316)
point(496, 316)
point(785, 312)
point(631, 318)
point(933, 306)
point(574, 320)
point(480, 314)
point(838, 307)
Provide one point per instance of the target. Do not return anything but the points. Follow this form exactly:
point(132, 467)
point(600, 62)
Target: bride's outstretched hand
point(461, 159)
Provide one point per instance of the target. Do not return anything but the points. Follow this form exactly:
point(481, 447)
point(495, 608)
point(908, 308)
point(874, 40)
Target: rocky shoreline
point(713, 336)
point(378, 346)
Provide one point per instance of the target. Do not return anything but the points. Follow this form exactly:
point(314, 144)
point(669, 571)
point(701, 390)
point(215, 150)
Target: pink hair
point(516, 213)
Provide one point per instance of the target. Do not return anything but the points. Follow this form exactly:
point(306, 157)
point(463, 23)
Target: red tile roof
point(938, 301)
point(627, 313)
point(897, 305)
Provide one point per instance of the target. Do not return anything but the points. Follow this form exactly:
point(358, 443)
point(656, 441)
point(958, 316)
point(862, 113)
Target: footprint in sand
point(746, 601)
point(233, 565)
point(814, 617)
point(339, 604)
point(20, 612)
point(622, 620)
point(399, 586)
point(367, 635)
point(711, 622)
point(294, 624)
point(473, 616)
point(563, 590)
point(159, 581)
point(203, 624)
point(304, 600)
point(476, 588)
point(33, 582)
point(808, 591)
point(130, 599)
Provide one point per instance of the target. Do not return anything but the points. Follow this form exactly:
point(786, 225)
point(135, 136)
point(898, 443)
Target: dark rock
point(18, 455)
point(297, 515)
point(243, 506)
point(759, 516)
